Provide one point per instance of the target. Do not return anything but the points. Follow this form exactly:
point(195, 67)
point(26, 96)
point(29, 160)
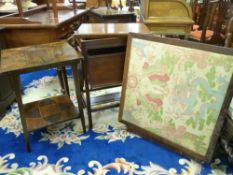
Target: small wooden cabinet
point(167, 16)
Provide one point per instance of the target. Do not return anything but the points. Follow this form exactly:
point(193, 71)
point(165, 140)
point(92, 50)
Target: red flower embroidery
point(146, 65)
point(157, 101)
point(163, 78)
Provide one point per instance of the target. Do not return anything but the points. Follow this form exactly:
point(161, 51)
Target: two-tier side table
point(45, 112)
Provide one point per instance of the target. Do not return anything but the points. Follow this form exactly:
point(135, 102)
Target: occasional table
point(103, 46)
point(43, 113)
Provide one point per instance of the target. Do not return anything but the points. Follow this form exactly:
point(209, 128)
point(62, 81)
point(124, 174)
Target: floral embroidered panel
point(176, 92)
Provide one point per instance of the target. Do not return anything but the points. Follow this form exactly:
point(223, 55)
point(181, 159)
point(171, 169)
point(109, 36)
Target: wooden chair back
point(229, 34)
point(195, 11)
point(215, 13)
point(210, 12)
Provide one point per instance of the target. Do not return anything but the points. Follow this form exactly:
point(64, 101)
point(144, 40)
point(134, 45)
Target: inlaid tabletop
point(25, 59)
point(110, 29)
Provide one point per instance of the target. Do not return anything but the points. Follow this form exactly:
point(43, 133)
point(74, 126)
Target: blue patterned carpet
point(107, 149)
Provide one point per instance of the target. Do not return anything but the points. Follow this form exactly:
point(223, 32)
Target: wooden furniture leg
point(60, 78)
point(20, 8)
point(65, 80)
point(88, 98)
point(74, 67)
point(54, 8)
point(16, 85)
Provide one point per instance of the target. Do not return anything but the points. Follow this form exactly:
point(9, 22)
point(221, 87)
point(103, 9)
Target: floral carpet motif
point(108, 149)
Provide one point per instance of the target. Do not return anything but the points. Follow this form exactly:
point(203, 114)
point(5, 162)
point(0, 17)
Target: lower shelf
point(43, 113)
point(105, 101)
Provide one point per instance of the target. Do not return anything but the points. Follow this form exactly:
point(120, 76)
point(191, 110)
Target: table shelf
point(43, 113)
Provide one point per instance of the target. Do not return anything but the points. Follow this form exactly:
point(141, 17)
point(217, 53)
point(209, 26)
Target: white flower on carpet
point(11, 121)
point(42, 88)
point(43, 82)
point(130, 168)
point(153, 169)
point(119, 165)
point(64, 134)
point(42, 167)
point(101, 128)
point(116, 135)
point(5, 166)
point(191, 168)
point(111, 131)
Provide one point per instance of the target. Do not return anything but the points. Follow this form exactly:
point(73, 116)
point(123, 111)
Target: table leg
point(16, 85)
point(60, 78)
point(65, 80)
point(88, 97)
point(74, 67)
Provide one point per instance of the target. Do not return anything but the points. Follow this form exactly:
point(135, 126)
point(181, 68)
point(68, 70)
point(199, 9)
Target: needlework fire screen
point(176, 92)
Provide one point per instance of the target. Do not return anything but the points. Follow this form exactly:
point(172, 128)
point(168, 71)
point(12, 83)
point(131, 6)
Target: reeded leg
point(16, 85)
point(78, 94)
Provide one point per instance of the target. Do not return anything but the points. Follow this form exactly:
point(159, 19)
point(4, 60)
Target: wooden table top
point(41, 17)
point(47, 17)
point(88, 30)
point(103, 11)
point(32, 58)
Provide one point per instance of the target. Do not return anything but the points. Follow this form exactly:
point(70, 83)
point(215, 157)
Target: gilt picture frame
point(176, 93)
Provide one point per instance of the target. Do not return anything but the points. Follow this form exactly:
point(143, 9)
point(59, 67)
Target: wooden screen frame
point(222, 113)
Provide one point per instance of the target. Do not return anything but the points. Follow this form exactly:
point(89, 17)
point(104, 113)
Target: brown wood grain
point(89, 30)
point(38, 56)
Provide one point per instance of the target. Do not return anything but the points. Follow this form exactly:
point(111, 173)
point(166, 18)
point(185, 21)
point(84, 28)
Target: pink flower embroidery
point(146, 65)
point(157, 101)
point(163, 78)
